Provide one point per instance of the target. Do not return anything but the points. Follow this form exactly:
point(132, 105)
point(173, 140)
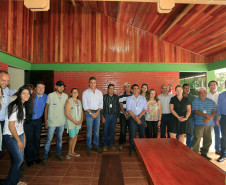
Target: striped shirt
point(122, 99)
point(208, 106)
point(111, 105)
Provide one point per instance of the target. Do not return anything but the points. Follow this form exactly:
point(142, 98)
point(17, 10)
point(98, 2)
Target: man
point(204, 112)
point(110, 115)
point(33, 128)
point(92, 100)
point(213, 95)
point(136, 106)
point(221, 121)
point(124, 117)
point(7, 93)
point(54, 121)
point(166, 114)
point(186, 93)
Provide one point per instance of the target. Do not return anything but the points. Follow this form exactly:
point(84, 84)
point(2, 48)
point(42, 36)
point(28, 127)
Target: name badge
point(137, 108)
point(4, 100)
point(110, 105)
point(204, 111)
point(54, 105)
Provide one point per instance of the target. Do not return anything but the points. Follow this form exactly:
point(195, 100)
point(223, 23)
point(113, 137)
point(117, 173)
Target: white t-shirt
point(165, 100)
point(18, 125)
point(213, 97)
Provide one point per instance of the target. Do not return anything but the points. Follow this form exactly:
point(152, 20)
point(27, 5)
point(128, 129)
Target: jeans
point(109, 129)
point(189, 137)
point(50, 133)
point(217, 133)
point(92, 125)
point(165, 123)
point(133, 130)
point(205, 132)
point(152, 129)
point(3, 142)
point(123, 126)
point(223, 132)
point(33, 132)
point(17, 158)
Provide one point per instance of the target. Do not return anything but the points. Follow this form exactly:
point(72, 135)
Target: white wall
point(16, 77)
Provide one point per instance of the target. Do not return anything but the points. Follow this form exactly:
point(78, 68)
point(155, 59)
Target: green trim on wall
point(120, 67)
point(210, 76)
point(14, 61)
point(217, 65)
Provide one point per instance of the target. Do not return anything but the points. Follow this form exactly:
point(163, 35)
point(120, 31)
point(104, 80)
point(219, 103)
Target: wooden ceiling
point(197, 28)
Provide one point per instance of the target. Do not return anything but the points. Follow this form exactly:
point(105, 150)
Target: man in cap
point(55, 120)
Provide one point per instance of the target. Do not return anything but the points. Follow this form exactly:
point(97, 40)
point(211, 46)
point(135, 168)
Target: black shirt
point(111, 105)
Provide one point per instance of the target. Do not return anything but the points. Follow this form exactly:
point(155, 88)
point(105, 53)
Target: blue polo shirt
point(39, 106)
point(208, 106)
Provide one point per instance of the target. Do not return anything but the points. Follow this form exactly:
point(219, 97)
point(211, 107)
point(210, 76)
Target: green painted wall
point(14, 61)
point(217, 65)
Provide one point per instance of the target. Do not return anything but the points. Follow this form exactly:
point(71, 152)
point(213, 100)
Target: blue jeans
point(3, 142)
point(217, 133)
point(133, 130)
point(50, 133)
point(33, 132)
point(189, 137)
point(92, 125)
point(165, 123)
point(223, 132)
point(17, 158)
point(109, 129)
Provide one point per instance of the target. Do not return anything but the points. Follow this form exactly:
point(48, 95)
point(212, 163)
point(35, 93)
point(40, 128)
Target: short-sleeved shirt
point(18, 125)
point(39, 106)
point(208, 106)
point(136, 105)
point(180, 107)
point(165, 100)
point(152, 113)
point(56, 116)
point(122, 99)
point(213, 97)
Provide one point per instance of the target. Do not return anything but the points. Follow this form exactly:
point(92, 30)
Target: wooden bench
point(169, 162)
point(111, 170)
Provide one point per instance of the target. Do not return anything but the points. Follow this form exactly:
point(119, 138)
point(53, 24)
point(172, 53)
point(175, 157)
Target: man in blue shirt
point(204, 112)
point(221, 121)
point(7, 93)
point(136, 107)
point(33, 128)
point(92, 101)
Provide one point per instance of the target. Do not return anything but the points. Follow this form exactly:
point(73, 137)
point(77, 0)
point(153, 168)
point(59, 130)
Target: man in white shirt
point(92, 101)
point(165, 100)
point(213, 95)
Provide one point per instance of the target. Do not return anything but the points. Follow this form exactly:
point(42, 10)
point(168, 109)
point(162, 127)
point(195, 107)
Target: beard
point(60, 92)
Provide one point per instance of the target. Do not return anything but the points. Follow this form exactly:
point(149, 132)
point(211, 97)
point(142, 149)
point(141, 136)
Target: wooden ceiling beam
point(219, 2)
point(179, 17)
point(73, 2)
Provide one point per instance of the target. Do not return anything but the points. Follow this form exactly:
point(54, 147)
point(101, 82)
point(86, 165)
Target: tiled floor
point(83, 170)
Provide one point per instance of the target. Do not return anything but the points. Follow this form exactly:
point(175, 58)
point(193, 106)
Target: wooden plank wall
point(68, 34)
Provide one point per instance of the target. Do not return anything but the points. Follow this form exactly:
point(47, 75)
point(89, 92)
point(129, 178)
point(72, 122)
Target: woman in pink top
point(153, 115)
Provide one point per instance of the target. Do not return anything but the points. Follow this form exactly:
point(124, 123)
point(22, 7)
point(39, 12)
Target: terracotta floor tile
point(31, 172)
point(52, 172)
point(46, 180)
point(135, 181)
point(82, 166)
point(75, 181)
point(79, 173)
point(94, 181)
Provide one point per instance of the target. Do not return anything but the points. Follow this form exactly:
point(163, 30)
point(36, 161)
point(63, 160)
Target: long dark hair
point(17, 105)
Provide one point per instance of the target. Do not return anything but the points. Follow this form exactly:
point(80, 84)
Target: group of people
point(177, 116)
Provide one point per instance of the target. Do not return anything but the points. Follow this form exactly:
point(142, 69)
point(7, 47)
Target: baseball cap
point(126, 84)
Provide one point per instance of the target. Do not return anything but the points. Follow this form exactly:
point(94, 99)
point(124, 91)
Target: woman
point(13, 133)
point(153, 115)
point(74, 114)
point(181, 110)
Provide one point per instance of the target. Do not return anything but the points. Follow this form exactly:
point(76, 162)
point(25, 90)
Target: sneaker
point(75, 155)
point(60, 157)
point(45, 162)
point(97, 149)
point(218, 152)
point(131, 153)
point(68, 156)
point(221, 159)
point(120, 146)
point(105, 149)
point(205, 156)
point(113, 147)
point(88, 152)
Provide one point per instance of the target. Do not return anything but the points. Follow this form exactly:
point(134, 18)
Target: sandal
point(75, 155)
point(21, 183)
point(68, 156)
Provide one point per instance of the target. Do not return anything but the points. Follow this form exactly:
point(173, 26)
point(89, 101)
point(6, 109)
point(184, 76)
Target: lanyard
point(136, 102)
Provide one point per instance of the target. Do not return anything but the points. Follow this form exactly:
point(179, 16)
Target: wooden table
point(169, 162)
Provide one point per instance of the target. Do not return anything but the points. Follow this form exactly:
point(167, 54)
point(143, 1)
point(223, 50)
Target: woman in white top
point(74, 115)
point(13, 132)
